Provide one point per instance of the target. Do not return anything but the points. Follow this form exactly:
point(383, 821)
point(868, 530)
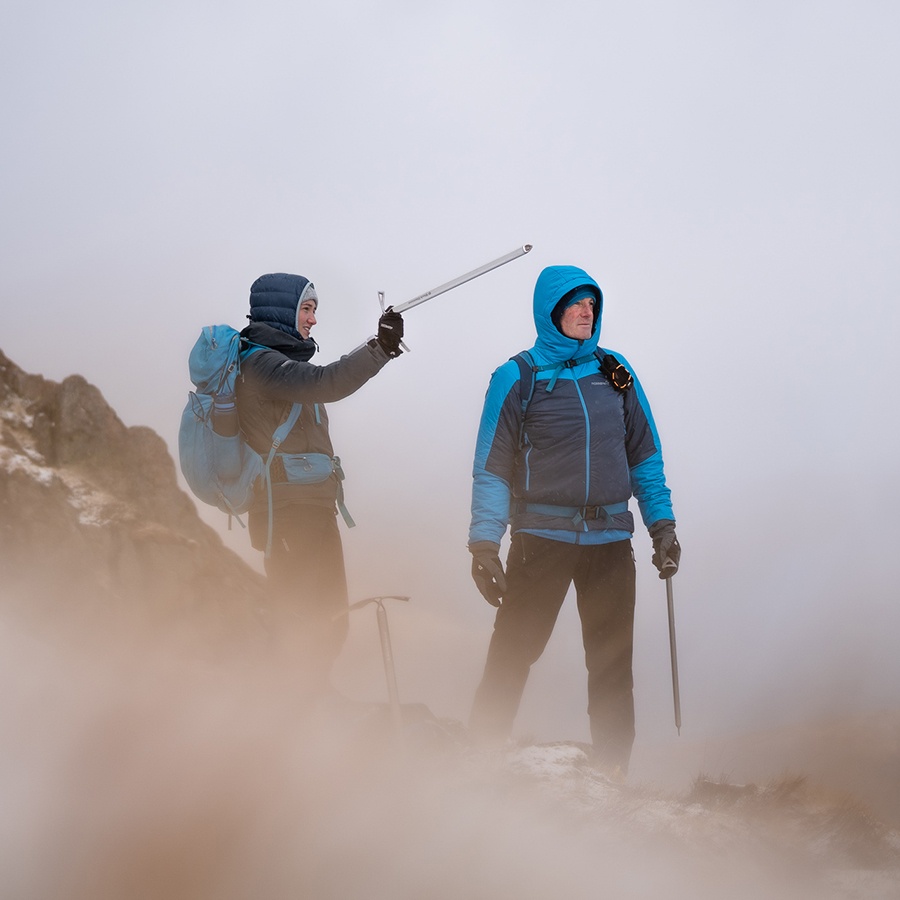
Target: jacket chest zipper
point(587, 441)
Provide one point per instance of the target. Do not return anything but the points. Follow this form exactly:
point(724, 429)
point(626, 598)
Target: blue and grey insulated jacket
point(584, 448)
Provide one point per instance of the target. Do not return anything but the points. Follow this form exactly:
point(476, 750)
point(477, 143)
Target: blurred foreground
point(146, 770)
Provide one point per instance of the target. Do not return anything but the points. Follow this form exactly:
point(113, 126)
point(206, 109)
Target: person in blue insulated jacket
point(304, 562)
point(566, 439)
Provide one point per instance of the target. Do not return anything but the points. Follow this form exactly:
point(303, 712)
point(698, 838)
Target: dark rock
point(94, 526)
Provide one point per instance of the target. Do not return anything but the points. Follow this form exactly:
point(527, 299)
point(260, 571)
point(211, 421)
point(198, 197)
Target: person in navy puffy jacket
point(566, 439)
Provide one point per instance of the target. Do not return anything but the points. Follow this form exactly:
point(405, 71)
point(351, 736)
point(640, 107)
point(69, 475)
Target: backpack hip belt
point(310, 468)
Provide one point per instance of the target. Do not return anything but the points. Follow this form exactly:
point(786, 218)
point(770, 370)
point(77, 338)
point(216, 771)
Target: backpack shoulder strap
point(248, 348)
point(527, 371)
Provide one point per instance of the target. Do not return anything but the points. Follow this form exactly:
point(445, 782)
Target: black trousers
point(539, 573)
point(308, 588)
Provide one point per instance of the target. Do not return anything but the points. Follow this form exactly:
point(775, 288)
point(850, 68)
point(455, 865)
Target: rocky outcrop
point(93, 522)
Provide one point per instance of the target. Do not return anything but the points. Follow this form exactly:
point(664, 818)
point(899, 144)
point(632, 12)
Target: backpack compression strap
point(345, 513)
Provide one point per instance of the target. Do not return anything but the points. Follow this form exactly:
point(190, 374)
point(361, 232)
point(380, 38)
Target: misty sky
point(727, 172)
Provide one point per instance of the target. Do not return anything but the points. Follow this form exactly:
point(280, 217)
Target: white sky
point(727, 172)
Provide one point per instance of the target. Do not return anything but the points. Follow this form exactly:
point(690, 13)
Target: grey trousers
point(307, 587)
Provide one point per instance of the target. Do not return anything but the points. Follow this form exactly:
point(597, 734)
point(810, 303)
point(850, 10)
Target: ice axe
point(673, 653)
point(387, 654)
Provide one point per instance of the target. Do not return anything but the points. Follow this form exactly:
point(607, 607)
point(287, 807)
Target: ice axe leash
point(455, 282)
point(386, 653)
point(673, 652)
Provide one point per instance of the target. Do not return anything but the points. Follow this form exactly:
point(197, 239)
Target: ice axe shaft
point(462, 279)
point(387, 654)
point(390, 672)
point(673, 653)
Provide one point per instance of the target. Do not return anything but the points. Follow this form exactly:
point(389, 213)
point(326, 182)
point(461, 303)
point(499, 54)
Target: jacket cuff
point(477, 547)
point(378, 350)
point(660, 526)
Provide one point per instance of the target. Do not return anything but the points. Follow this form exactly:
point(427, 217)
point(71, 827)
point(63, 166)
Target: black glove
point(390, 332)
point(487, 571)
point(666, 549)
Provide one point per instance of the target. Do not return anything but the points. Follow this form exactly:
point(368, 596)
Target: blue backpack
point(219, 466)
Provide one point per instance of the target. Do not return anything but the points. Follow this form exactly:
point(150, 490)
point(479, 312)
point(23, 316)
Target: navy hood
point(275, 299)
point(552, 285)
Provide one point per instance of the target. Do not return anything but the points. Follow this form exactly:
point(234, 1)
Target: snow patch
point(15, 411)
point(11, 461)
point(95, 508)
point(548, 761)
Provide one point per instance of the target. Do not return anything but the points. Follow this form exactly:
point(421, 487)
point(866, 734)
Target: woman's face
point(306, 317)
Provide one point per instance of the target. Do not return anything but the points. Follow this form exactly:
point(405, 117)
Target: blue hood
point(552, 285)
point(275, 298)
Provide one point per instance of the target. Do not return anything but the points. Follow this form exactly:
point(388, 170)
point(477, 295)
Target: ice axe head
point(361, 603)
point(387, 653)
point(669, 568)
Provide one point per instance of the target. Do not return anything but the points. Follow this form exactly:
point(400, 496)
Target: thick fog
point(727, 174)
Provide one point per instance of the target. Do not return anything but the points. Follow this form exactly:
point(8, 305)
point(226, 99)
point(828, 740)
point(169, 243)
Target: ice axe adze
point(673, 653)
point(387, 654)
point(456, 282)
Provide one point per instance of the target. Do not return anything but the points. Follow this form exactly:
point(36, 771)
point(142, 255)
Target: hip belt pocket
point(306, 468)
